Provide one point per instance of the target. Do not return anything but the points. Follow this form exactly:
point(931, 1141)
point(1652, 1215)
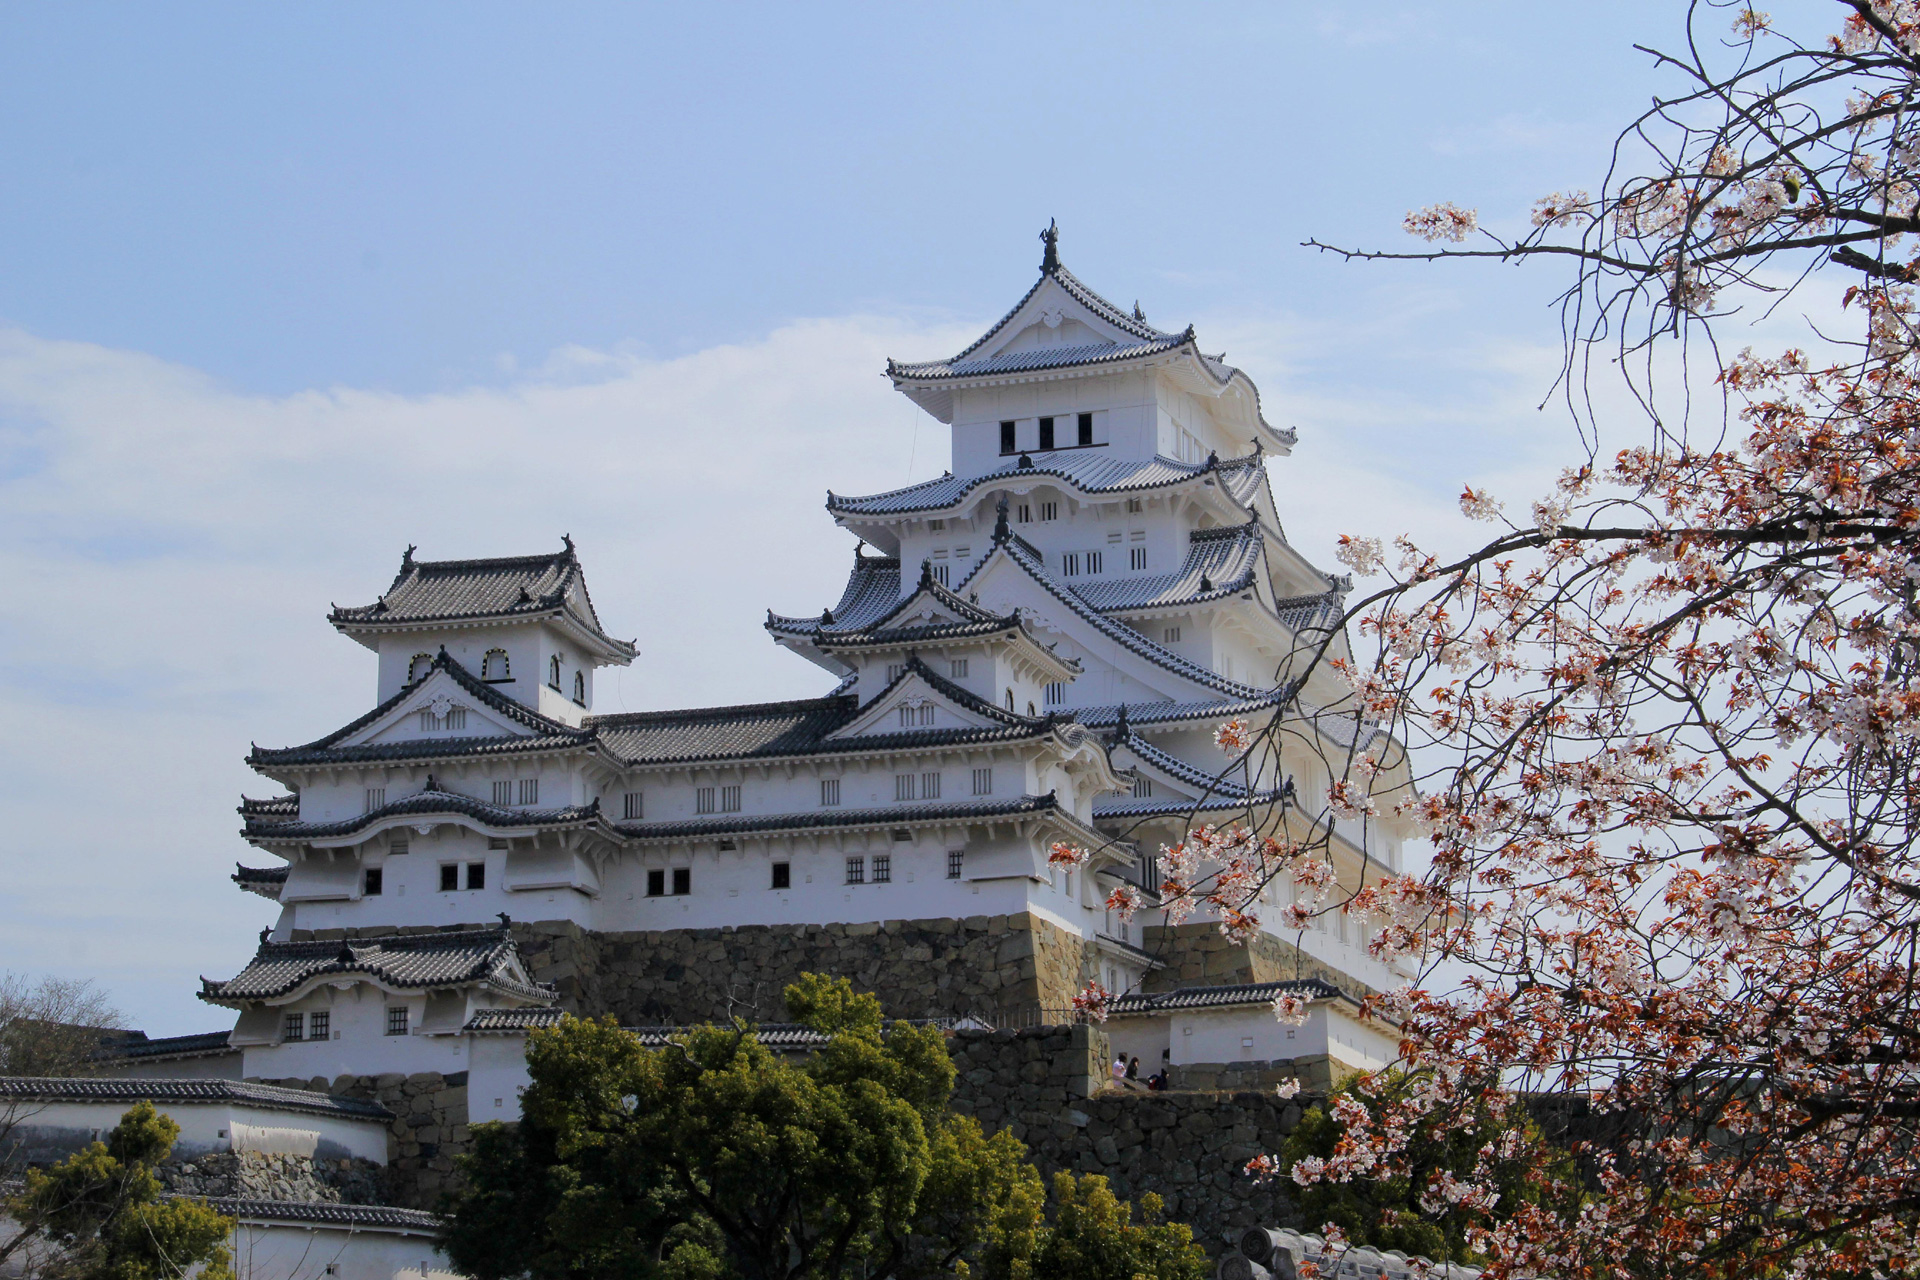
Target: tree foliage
point(716, 1157)
point(1088, 1233)
point(50, 1027)
point(99, 1214)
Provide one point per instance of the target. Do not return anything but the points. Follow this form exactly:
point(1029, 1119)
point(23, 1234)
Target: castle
point(1035, 648)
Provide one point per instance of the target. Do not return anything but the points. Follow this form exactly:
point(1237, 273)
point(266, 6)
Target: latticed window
point(983, 781)
point(730, 799)
point(1085, 429)
point(293, 1027)
point(903, 786)
point(1136, 557)
point(682, 881)
point(1096, 562)
point(882, 868)
point(319, 1025)
point(529, 791)
point(419, 667)
point(376, 798)
point(397, 1019)
point(929, 786)
point(856, 869)
point(633, 805)
point(503, 794)
point(1056, 694)
point(1049, 511)
point(1142, 788)
point(957, 668)
point(553, 673)
point(940, 573)
point(1171, 635)
point(953, 863)
point(703, 799)
point(580, 687)
point(829, 791)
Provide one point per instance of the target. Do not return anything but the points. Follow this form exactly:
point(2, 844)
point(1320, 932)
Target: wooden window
point(1136, 557)
point(495, 668)
point(553, 673)
point(1049, 511)
point(1084, 424)
point(293, 1027)
point(1135, 506)
point(703, 800)
point(958, 668)
point(419, 667)
point(1095, 561)
point(1056, 694)
point(901, 833)
point(396, 843)
point(1023, 513)
point(929, 786)
point(1171, 635)
point(903, 786)
point(1070, 563)
point(529, 791)
point(396, 1019)
point(376, 798)
point(1046, 433)
point(449, 876)
point(370, 882)
point(953, 863)
point(983, 781)
point(1142, 788)
point(829, 792)
point(580, 688)
point(633, 805)
point(730, 799)
point(476, 875)
point(882, 868)
point(1007, 432)
point(503, 794)
point(682, 881)
point(656, 884)
point(940, 573)
point(856, 869)
point(319, 1025)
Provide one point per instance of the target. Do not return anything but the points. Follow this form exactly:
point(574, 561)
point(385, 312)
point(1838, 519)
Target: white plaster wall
point(1253, 1034)
point(1143, 1038)
point(358, 1043)
point(1122, 405)
point(217, 1126)
point(292, 1251)
point(496, 1078)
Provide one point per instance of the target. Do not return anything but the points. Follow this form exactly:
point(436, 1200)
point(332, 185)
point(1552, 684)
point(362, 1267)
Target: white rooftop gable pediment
point(1052, 317)
point(437, 708)
point(912, 705)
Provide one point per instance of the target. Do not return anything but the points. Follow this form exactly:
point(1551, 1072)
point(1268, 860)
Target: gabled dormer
point(525, 624)
point(918, 698)
point(1066, 370)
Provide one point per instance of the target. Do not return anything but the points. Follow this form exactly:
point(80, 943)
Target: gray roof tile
point(904, 815)
point(137, 1047)
point(1221, 997)
point(427, 803)
point(1219, 563)
point(325, 1213)
point(511, 1020)
point(265, 881)
point(414, 961)
point(187, 1093)
point(1091, 471)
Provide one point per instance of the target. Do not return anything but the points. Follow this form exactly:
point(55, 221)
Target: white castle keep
point(1036, 647)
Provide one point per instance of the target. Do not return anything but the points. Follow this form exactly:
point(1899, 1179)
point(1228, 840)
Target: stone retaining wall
point(1199, 955)
point(256, 1175)
point(1049, 1087)
point(429, 1127)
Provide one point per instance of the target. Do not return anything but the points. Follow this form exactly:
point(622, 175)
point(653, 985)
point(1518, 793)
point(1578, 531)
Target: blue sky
point(286, 288)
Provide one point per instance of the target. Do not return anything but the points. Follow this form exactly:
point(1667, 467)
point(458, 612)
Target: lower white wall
point(498, 1074)
point(52, 1130)
point(295, 1251)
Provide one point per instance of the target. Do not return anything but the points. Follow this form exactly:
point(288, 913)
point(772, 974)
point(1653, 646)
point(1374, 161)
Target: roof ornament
point(1026, 462)
point(568, 539)
point(1206, 583)
point(1000, 530)
point(1050, 260)
point(1213, 459)
point(1120, 729)
point(345, 955)
point(506, 921)
point(406, 560)
point(1138, 314)
point(926, 573)
point(826, 617)
point(266, 932)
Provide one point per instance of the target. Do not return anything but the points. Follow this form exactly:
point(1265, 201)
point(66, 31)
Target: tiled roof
point(1302, 613)
point(411, 961)
point(361, 1217)
point(546, 734)
point(1214, 786)
point(724, 733)
point(1090, 471)
point(507, 1020)
point(137, 1046)
point(1041, 358)
point(194, 1092)
point(1170, 712)
point(1219, 563)
point(1222, 997)
point(430, 591)
point(903, 815)
point(271, 809)
point(1343, 1260)
point(774, 1035)
point(431, 802)
point(265, 881)
point(1126, 636)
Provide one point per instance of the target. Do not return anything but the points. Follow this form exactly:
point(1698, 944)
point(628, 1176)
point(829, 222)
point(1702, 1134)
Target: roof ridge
point(623, 719)
point(1189, 470)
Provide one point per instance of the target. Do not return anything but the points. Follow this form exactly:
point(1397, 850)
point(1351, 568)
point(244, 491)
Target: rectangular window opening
point(1135, 506)
point(882, 868)
point(829, 792)
point(901, 833)
point(940, 573)
point(1095, 559)
point(929, 786)
point(1142, 788)
point(397, 1019)
point(953, 864)
point(1049, 511)
point(503, 794)
point(782, 875)
point(396, 843)
point(1007, 434)
point(682, 881)
point(1085, 426)
point(1046, 433)
point(319, 1025)
point(370, 883)
point(1056, 694)
point(449, 876)
point(529, 791)
point(983, 781)
point(376, 798)
point(703, 800)
point(730, 799)
point(1070, 564)
point(1023, 513)
point(903, 786)
point(958, 668)
point(476, 875)
point(656, 884)
point(633, 805)
point(1136, 558)
point(1171, 635)
point(294, 1027)
point(856, 869)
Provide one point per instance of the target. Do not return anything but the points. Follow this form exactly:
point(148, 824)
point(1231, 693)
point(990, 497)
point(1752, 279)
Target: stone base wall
point(256, 1175)
point(429, 1127)
point(1199, 955)
point(1191, 1148)
point(1314, 1072)
point(1007, 966)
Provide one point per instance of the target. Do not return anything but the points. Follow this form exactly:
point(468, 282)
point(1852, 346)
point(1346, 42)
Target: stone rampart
point(258, 1175)
point(1199, 955)
point(429, 1127)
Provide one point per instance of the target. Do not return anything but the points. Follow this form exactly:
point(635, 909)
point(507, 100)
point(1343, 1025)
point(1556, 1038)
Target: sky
point(285, 289)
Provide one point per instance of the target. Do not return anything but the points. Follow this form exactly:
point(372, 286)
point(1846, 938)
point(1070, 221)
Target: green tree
point(98, 1214)
point(715, 1157)
point(1412, 1211)
point(1089, 1234)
